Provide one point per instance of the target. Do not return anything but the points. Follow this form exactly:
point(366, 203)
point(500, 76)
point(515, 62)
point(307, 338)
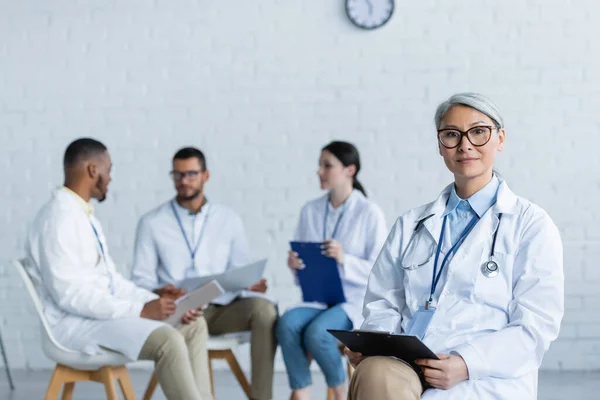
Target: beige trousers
point(259, 316)
point(181, 360)
point(384, 378)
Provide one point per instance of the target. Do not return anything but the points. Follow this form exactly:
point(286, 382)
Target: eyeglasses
point(478, 136)
point(180, 175)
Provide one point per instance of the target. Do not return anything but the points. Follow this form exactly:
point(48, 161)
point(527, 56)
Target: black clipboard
point(369, 343)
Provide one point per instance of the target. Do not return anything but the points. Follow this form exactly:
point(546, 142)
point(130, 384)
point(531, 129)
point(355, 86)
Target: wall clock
point(369, 14)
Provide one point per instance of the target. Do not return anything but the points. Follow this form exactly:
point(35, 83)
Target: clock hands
point(370, 4)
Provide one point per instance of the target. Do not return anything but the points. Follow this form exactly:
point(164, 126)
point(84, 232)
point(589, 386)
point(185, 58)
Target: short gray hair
point(475, 101)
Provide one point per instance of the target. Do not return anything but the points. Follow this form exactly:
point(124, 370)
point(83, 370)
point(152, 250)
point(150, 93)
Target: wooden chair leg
point(68, 391)
point(105, 375)
point(67, 376)
point(237, 371)
point(210, 373)
point(55, 384)
point(122, 376)
point(151, 386)
point(330, 394)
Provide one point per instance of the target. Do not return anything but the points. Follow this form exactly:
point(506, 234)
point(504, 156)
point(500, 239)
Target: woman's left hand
point(333, 248)
point(446, 372)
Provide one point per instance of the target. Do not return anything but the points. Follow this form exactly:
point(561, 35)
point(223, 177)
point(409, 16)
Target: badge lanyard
point(110, 279)
point(337, 224)
point(437, 275)
point(187, 242)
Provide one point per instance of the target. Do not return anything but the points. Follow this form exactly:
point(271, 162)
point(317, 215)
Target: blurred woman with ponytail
point(353, 230)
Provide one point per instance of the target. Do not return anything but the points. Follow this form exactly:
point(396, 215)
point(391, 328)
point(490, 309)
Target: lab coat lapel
point(434, 223)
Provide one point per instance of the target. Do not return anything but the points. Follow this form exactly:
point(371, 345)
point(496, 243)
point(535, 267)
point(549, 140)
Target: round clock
point(369, 14)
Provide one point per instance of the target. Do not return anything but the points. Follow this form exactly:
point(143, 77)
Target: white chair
point(219, 348)
point(73, 366)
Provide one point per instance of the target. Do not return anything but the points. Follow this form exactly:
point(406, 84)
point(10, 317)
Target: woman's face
point(466, 160)
point(332, 172)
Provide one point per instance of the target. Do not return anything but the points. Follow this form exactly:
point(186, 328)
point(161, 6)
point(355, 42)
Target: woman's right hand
point(354, 358)
point(294, 262)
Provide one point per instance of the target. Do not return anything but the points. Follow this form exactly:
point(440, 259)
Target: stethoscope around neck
point(489, 269)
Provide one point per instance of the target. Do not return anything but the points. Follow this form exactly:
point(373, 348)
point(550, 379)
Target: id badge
point(420, 322)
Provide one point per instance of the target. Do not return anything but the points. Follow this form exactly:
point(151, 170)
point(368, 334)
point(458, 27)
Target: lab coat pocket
point(497, 290)
point(417, 284)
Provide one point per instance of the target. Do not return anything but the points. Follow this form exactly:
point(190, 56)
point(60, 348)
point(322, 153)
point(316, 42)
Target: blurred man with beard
point(190, 236)
point(89, 306)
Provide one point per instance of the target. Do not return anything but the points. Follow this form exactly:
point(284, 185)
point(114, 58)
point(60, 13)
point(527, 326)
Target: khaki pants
point(259, 316)
point(384, 378)
point(181, 360)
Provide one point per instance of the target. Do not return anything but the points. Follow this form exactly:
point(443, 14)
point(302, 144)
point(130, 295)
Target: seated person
point(89, 306)
point(482, 264)
point(189, 237)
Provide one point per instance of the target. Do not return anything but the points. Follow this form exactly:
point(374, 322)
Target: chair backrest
point(37, 302)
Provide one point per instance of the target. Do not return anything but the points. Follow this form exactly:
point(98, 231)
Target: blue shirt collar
point(480, 202)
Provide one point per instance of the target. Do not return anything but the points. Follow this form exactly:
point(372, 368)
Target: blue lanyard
point(337, 224)
point(436, 277)
point(187, 242)
point(111, 284)
point(98, 239)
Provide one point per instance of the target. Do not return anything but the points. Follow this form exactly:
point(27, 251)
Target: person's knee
point(173, 345)
point(264, 313)
point(287, 328)
point(384, 373)
point(197, 329)
point(165, 341)
point(317, 338)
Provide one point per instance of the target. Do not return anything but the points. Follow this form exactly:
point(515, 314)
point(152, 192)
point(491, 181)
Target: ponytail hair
point(348, 155)
point(358, 186)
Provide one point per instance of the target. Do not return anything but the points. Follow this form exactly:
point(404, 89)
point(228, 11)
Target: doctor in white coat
point(90, 307)
point(477, 274)
point(353, 230)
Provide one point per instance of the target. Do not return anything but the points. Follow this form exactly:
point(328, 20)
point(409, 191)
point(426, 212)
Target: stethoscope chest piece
point(490, 269)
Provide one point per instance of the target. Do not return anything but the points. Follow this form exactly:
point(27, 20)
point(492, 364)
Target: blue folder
point(320, 279)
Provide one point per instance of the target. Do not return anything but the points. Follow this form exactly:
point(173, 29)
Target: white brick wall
point(261, 85)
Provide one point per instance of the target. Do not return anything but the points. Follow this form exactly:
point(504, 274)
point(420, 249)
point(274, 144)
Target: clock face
point(369, 14)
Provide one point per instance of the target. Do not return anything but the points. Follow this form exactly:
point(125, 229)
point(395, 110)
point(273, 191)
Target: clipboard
point(405, 347)
point(320, 279)
point(195, 299)
point(232, 280)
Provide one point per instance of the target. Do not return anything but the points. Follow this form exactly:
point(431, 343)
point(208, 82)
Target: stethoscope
point(489, 269)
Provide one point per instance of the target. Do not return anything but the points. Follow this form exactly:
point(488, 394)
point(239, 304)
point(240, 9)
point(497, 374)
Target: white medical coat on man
point(87, 303)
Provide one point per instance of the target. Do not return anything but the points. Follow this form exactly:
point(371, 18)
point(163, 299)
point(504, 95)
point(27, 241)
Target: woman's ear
point(351, 170)
point(501, 139)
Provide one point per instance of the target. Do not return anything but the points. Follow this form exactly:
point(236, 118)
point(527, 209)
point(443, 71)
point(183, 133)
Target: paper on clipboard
point(195, 299)
point(232, 280)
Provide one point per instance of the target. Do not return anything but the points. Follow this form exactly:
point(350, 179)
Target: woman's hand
point(294, 262)
point(446, 372)
point(354, 358)
point(333, 248)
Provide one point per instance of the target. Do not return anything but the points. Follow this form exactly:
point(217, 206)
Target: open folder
point(232, 280)
point(369, 343)
point(320, 279)
point(195, 299)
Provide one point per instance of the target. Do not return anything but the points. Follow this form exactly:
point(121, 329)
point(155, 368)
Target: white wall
point(262, 85)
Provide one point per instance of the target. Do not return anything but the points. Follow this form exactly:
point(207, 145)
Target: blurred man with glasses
point(189, 237)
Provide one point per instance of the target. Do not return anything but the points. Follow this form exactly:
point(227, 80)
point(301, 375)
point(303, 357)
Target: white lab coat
point(161, 254)
point(87, 303)
point(361, 232)
point(501, 326)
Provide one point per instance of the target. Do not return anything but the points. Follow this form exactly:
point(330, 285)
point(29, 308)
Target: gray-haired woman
point(477, 275)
